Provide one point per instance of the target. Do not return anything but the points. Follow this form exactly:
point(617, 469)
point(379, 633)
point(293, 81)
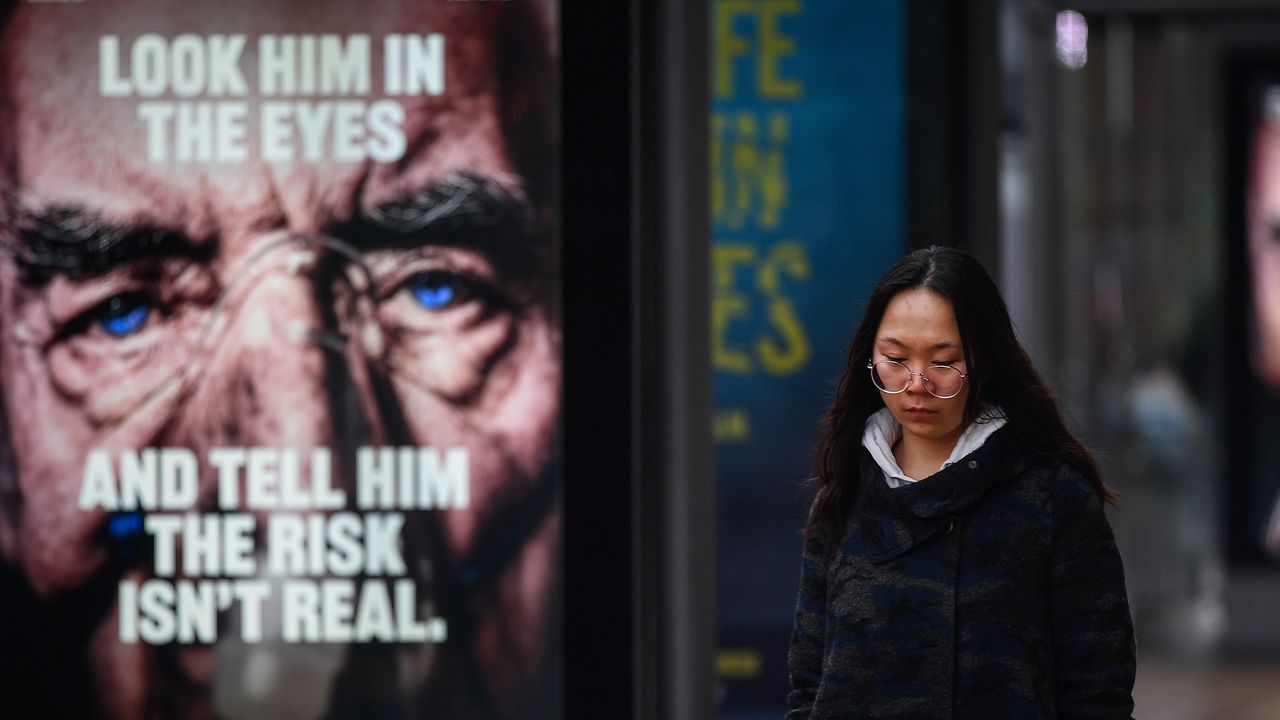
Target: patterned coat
point(992, 589)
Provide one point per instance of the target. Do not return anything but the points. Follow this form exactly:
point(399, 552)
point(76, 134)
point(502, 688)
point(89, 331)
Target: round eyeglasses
point(940, 381)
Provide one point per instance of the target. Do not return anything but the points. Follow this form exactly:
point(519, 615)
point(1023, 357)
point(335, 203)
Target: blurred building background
point(1110, 161)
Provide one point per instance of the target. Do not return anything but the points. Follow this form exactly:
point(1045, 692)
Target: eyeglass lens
point(939, 380)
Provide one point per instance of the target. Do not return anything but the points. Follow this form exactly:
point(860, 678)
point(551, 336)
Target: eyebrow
point(461, 209)
point(77, 242)
point(945, 345)
point(465, 209)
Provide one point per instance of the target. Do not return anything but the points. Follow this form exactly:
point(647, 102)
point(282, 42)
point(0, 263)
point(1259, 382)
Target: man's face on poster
point(1264, 241)
point(300, 304)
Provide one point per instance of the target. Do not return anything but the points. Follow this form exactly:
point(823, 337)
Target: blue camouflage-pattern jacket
point(992, 589)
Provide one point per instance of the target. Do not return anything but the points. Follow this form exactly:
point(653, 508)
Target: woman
point(958, 563)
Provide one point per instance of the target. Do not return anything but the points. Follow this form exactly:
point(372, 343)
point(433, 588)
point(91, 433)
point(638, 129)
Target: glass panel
point(808, 162)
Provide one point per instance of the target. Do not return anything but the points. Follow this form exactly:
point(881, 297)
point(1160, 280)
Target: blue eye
point(435, 291)
point(124, 315)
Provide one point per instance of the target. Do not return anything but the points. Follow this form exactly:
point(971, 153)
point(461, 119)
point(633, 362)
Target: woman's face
point(918, 329)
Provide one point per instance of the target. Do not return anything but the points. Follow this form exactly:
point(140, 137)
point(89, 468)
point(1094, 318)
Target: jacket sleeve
point(808, 635)
point(1093, 642)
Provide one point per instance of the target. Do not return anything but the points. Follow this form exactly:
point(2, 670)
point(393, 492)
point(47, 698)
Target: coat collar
point(894, 520)
point(883, 430)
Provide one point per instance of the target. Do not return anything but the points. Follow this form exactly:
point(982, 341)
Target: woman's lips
point(920, 413)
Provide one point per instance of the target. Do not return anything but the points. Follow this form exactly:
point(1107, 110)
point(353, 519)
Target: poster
point(279, 360)
point(808, 175)
point(1262, 261)
point(1263, 243)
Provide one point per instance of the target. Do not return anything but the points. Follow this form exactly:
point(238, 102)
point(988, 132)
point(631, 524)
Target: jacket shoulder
point(1056, 473)
point(1069, 482)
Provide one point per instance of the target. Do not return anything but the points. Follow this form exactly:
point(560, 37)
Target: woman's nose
point(916, 383)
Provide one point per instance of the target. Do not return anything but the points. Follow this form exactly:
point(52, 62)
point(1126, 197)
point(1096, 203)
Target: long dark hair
point(1000, 373)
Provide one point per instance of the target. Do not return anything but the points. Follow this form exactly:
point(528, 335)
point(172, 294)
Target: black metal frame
point(639, 627)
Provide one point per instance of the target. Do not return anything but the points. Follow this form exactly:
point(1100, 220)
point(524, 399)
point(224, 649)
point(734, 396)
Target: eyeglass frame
point(911, 375)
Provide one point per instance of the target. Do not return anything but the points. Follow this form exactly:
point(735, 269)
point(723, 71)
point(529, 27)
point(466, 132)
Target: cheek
point(55, 538)
point(507, 424)
point(526, 406)
point(1266, 271)
point(452, 365)
point(111, 379)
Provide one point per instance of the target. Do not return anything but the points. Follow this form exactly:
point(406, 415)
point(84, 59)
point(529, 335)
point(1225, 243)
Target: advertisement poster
point(808, 166)
point(280, 362)
point(1261, 254)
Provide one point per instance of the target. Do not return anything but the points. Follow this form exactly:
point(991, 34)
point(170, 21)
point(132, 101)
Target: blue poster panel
point(808, 173)
point(279, 360)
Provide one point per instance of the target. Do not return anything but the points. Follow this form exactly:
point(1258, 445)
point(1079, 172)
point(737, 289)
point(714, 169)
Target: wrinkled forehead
point(73, 141)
